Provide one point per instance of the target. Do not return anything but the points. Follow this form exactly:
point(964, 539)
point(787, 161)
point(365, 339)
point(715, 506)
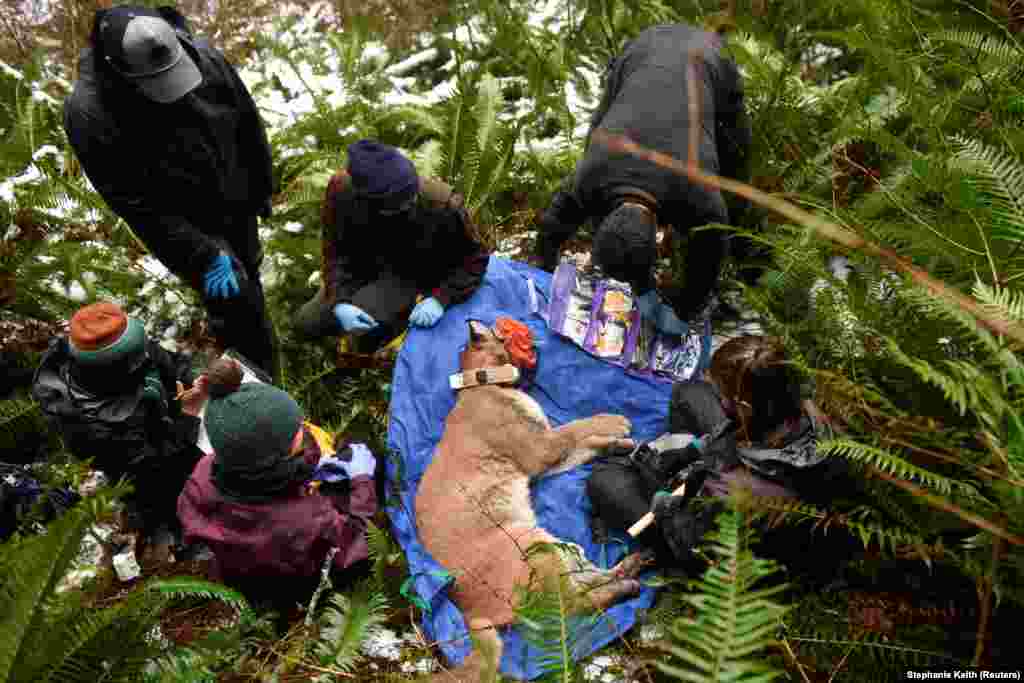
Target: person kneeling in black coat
point(752, 430)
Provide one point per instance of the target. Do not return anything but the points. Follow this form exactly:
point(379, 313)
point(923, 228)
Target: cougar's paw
point(610, 426)
point(614, 445)
point(631, 565)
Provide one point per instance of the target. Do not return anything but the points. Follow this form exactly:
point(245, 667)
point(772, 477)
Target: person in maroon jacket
point(253, 501)
point(390, 237)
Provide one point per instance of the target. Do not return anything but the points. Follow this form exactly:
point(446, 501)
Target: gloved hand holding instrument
point(691, 464)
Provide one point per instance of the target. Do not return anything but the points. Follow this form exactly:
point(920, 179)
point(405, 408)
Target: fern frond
point(733, 620)
point(30, 577)
point(189, 587)
point(347, 621)
point(429, 159)
point(892, 464)
point(1000, 178)
point(1002, 52)
point(488, 104)
point(1001, 301)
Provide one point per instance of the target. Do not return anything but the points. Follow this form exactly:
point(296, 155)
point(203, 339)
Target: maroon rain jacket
point(289, 537)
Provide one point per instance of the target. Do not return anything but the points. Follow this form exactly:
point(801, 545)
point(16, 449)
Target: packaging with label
point(599, 314)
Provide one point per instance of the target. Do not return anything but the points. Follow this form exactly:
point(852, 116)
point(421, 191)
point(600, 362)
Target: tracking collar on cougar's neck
point(501, 374)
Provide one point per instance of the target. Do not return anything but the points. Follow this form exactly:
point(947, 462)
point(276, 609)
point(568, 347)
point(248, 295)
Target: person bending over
point(172, 140)
point(647, 98)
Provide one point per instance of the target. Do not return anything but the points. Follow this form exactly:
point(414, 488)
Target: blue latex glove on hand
point(354, 319)
point(333, 469)
point(665, 319)
point(426, 313)
point(220, 281)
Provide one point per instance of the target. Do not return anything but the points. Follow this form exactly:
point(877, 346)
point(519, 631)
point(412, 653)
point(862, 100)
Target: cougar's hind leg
point(481, 666)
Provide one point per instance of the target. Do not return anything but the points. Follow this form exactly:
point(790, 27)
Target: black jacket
point(124, 433)
point(646, 98)
point(433, 246)
point(180, 174)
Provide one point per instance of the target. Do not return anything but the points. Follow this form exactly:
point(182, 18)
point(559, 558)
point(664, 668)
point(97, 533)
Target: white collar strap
point(502, 374)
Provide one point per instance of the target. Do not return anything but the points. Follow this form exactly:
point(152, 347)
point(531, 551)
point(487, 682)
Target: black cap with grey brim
point(141, 46)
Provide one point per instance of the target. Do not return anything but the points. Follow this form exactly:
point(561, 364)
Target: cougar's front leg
point(578, 441)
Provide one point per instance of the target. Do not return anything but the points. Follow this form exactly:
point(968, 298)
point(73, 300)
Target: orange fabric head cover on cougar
point(518, 342)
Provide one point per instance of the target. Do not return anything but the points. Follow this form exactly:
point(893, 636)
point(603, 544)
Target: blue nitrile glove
point(353, 319)
point(220, 280)
point(333, 469)
point(426, 313)
point(648, 304)
point(661, 314)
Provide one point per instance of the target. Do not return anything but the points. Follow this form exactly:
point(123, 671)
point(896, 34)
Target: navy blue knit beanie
point(381, 172)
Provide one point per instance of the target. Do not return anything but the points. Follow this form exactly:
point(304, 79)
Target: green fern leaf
point(29, 579)
point(346, 623)
point(1000, 178)
point(892, 464)
point(733, 620)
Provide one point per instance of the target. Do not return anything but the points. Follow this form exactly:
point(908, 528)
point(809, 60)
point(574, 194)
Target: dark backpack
point(24, 499)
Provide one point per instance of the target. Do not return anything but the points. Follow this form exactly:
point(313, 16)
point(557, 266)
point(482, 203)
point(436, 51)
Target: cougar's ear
point(477, 331)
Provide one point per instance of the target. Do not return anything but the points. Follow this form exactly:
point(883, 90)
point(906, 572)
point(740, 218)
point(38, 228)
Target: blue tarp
point(569, 384)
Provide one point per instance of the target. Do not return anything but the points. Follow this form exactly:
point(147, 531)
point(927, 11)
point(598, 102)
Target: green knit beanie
point(251, 430)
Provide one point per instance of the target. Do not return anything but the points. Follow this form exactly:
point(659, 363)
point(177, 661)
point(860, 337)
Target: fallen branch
point(823, 227)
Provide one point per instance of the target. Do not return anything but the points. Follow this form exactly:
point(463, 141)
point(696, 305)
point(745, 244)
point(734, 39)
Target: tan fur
point(473, 505)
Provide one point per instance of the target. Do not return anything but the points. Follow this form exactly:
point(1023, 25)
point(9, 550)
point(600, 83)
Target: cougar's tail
point(481, 666)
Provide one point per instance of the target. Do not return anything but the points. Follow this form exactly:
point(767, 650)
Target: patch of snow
point(383, 644)
point(597, 671)
point(292, 227)
point(153, 267)
point(87, 563)
point(47, 150)
point(11, 71)
point(40, 96)
point(409, 63)
point(423, 666)
point(651, 632)
point(546, 14)
point(76, 292)
point(155, 636)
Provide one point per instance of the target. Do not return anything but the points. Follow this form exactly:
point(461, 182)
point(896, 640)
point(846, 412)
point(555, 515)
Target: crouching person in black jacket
point(752, 430)
point(389, 238)
point(111, 392)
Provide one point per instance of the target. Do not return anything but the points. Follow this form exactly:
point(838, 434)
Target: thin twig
point(839, 666)
point(937, 502)
point(792, 657)
point(17, 38)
